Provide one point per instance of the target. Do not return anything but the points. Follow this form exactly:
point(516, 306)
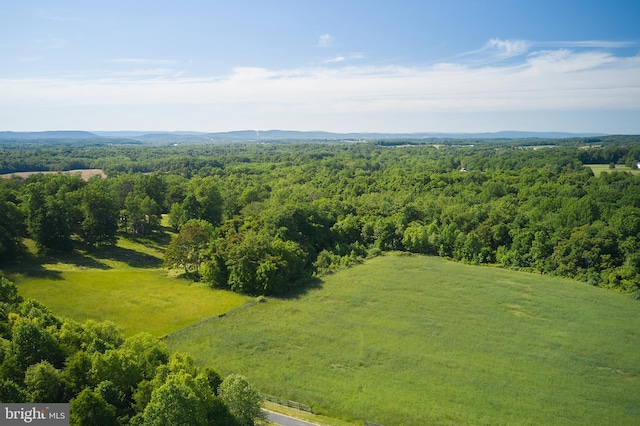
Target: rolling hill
point(416, 340)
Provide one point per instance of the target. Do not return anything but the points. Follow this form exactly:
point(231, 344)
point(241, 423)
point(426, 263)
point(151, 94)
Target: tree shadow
point(189, 277)
point(30, 266)
point(156, 240)
point(302, 288)
point(75, 258)
point(33, 271)
point(133, 258)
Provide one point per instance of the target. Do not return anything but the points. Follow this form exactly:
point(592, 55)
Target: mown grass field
point(599, 168)
point(412, 340)
point(124, 284)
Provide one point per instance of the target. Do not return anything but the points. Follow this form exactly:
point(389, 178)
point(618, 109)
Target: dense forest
point(262, 219)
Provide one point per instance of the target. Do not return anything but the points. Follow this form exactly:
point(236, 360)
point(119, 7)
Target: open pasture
point(599, 168)
point(412, 340)
point(124, 284)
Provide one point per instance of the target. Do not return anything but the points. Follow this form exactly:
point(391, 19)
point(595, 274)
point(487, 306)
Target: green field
point(599, 168)
point(124, 284)
point(419, 340)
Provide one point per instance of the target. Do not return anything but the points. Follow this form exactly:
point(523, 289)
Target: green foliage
point(283, 212)
point(11, 224)
point(202, 201)
point(100, 211)
point(9, 292)
point(149, 351)
point(76, 373)
point(31, 343)
point(117, 366)
point(188, 248)
point(242, 399)
point(259, 264)
point(100, 336)
point(90, 409)
point(48, 218)
point(10, 392)
point(175, 403)
point(338, 198)
point(43, 383)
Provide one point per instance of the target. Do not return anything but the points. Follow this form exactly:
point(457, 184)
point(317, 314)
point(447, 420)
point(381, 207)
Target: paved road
point(281, 419)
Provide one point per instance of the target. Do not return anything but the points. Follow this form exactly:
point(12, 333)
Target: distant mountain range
point(272, 135)
point(51, 134)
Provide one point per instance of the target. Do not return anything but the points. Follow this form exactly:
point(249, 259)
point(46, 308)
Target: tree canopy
point(281, 212)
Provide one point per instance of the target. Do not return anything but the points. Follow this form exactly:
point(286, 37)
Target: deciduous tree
point(187, 249)
point(242, 399)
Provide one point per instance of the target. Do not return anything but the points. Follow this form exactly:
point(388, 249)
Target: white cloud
point(340, 58)
point(508, 48)
point(325, 40)
point(557, 81)
point(334, 60)
point(563, 61)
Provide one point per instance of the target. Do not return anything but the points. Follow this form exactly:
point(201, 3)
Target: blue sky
point(369, 66)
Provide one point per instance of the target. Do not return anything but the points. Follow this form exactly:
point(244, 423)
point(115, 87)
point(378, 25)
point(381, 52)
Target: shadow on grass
point(133, 258)
point(34, 266)
point(33, 271)
point(156, 240)
point(302, 288)
point(30, 266)
point(77, 259)
point(189, 277)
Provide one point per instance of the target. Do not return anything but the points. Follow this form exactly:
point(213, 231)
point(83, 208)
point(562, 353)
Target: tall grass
point(419, 340)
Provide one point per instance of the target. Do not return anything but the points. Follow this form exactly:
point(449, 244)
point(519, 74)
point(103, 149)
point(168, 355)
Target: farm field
point(85, 174)
point(124, 284)
point(599, 168)
point(419, 340)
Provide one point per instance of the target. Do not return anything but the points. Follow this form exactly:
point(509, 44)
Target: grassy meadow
point(599, 168)
point(413, 340)
point(125, 284)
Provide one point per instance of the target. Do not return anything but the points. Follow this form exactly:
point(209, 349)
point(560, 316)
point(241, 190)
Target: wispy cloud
point(497, 50)
point(56, 16)
point(341, 58)
point(325, 40)
point(334, 60)
point(598, 44)
point(141, 61)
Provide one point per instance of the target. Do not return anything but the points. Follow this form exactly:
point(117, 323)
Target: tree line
point(263, 219)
